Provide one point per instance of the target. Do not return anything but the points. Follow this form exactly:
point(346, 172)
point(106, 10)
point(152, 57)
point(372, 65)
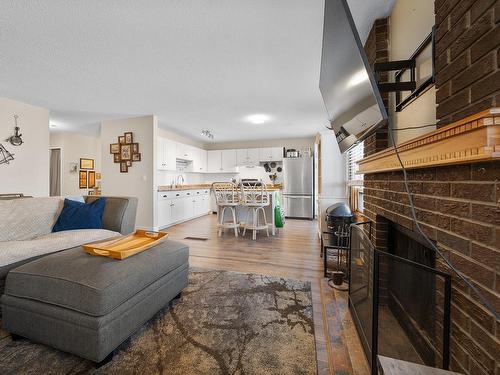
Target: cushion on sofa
point(93, 285)
point(27, 218)
point(78, 215)
point(15, 251)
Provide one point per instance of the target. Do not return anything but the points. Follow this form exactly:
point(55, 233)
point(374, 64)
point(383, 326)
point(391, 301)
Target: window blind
point(353, 156)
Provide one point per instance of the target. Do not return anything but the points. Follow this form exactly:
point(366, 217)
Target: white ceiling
point(197, 64)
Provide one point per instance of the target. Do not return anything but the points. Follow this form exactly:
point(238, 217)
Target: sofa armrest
point(119, 213)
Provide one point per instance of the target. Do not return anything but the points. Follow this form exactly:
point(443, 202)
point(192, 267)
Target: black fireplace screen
point(400, 306)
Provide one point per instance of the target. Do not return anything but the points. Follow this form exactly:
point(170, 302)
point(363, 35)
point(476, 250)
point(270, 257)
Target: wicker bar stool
point(255, 197)
point(227, 196)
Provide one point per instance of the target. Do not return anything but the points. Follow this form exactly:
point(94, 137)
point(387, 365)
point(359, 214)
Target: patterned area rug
point(225, 323)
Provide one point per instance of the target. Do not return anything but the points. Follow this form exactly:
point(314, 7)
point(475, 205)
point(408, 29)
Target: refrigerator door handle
point(298, 196)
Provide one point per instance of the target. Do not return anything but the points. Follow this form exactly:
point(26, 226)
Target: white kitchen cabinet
point(197, 205)
point(247, 156)
point(182, 205)
point(201, 202)
point(228, 161)
point(184, 152)
point(271, 154)
point(199, 160)
point(253, 156)
point(164, 212)
point(221, 161)
point(166, 151)
point(241, 156)
point(277, 153)
point(214, 161)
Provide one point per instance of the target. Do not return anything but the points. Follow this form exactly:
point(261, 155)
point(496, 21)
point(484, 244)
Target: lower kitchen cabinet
point(182, 205)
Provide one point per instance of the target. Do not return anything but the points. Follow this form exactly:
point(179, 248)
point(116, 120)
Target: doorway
point(55, 172)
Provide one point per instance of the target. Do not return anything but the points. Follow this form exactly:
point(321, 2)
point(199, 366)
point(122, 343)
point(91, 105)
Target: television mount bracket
point(391, 66)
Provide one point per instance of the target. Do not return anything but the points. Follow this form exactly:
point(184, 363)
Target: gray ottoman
point(88, 305)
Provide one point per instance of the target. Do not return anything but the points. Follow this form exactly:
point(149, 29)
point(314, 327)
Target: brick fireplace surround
point(458, 206)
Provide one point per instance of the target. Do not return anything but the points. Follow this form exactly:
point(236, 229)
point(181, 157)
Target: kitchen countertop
point(201, 186)
point(184, 187)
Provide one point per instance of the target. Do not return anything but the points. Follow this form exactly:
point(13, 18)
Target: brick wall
point(377, 50)
point(467, 57)
point(458, 207)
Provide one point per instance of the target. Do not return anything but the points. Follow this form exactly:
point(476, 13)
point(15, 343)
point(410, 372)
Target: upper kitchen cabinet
point(199, 160)
point(247, 156)
point(214, 161)
point(228, 160)
point(166, 152)
point(184, 152)
point(221, 161)
point(271, 154)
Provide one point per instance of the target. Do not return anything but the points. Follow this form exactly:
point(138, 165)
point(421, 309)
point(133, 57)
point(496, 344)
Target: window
point(353, 156)
point(354, 180)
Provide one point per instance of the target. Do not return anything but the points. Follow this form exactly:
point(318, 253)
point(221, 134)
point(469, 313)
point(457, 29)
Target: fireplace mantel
point(475, 138)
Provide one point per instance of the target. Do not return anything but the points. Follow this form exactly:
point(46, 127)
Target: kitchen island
point(242, 211)
point(180, 203)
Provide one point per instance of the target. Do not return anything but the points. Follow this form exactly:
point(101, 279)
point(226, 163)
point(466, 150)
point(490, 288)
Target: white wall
point(178, 138)
point(73, 147)
point(140, 180)
point(28, 173)
point(410, 23)
point(297, 143)
point(333, 174)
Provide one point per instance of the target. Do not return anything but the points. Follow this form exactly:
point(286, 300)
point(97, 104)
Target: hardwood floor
point(292, 253)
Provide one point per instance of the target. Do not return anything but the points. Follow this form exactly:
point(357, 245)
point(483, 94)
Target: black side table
point(336, 245)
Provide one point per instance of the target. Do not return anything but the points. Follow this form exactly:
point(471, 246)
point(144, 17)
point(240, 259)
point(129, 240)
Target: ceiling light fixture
point(358, 78)
point(258, 119)
point(207, 133)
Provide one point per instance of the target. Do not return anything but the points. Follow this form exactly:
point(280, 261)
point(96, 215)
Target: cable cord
point(414, 127)
point(483, 299)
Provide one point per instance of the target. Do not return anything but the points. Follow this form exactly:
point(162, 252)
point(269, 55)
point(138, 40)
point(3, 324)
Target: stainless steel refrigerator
point(298, 187)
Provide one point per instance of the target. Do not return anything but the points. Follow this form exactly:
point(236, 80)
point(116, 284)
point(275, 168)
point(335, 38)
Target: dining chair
point(227, 196)
point(255, 196)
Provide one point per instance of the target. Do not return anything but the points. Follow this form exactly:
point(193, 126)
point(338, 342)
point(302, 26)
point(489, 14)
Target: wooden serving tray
point(126, 246)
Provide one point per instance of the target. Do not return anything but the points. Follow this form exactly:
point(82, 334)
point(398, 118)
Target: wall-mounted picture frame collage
point(125, 152)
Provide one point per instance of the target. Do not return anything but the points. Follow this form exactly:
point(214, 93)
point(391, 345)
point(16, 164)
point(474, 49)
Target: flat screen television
point(347, 83)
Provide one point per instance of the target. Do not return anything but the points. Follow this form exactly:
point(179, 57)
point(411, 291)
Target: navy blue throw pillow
point(77, 215)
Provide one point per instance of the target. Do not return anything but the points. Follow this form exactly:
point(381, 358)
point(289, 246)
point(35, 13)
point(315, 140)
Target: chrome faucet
point(181, 178)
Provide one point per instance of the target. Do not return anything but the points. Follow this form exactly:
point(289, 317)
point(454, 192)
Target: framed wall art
point(114, 148)
point(82, 184)
point(86, 163)
point(125, 152)
point(129, 138)
point(91, 179)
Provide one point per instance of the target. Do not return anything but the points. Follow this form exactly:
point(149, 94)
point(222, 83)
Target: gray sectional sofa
point(79, 303)
point(26, 228)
